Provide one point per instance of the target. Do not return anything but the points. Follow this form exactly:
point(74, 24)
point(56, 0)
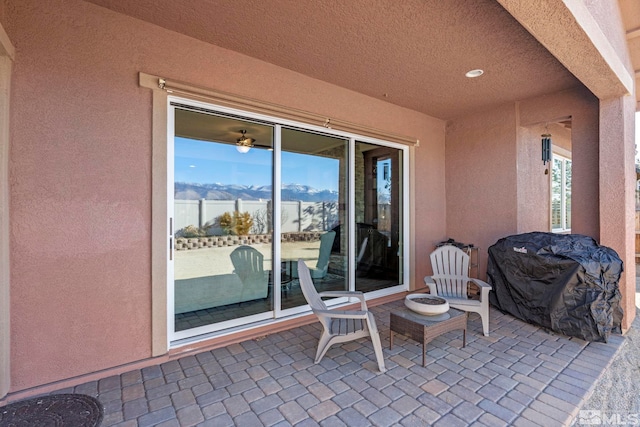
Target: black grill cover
point(564, 282)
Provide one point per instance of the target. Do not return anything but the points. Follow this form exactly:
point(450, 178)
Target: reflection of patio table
point(285, 276)
point(424, 328)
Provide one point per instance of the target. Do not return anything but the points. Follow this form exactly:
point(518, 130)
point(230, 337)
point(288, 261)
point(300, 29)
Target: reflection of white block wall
point(186, 212)
point(296, 216)
point(290, 219)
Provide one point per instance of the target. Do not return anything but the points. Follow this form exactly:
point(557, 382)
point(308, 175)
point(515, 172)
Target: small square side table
point(423, 329)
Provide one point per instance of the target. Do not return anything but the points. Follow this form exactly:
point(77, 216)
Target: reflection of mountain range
point(290, 192)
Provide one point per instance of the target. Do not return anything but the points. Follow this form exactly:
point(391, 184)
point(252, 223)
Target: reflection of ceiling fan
point(244, 143)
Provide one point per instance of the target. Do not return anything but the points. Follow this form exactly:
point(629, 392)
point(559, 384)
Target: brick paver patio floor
point(520, 375)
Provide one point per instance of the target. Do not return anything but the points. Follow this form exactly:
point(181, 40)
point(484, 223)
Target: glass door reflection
point(222, 258)
point(313, 212)
point(378, 201)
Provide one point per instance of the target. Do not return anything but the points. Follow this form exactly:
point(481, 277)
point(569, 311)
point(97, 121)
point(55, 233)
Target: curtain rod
point(256, 106)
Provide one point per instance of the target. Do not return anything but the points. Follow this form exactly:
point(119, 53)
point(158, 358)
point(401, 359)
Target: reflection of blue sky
point(207, 163)
point(383, 177)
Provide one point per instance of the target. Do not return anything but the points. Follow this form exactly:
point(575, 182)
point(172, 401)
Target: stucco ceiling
point(413, 53)
point(630, 11)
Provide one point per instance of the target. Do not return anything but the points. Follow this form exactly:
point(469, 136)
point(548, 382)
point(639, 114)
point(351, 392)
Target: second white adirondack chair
point(450, 281)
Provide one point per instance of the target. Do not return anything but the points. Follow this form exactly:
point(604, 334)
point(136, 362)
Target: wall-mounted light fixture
point(244, 143)
point(546, 148)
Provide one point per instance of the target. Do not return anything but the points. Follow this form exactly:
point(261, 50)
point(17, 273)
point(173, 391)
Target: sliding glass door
point(314, 228)
point(378, 216)
point(222, 204)
point(338, 205)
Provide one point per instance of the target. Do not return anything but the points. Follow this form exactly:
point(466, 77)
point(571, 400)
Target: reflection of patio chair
point(322, 266)
point(340, 325)
point(248, 264)
point(450, 280)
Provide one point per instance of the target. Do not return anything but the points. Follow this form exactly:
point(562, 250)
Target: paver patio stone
point(156, 417)
point(491, 420)
point(467, 411)
point(469, 384)
point(466, 394)
point(491, 392)
point(151, 372)
point(542, 418)
point(498, 410)
point(213, 410)
point(450, 377)
point(433, 402)
point(271, 417)
point(323, 410)
point(393, 392)
point(183, 398)
point(190, 415)
point(449, 365)
point(353, 418)
point(253, 394)
point(434, 387)
point(154, 383)
point(385, 417)
point(511, 404)
point(132, 392)
point(223, 420)
point(135, 408)
point(236, 405)
point(519, 375)
point(212, 397)
point(162, 390)
point(365, 407)
point(520, 397)
point(247, 419)
point(450, 398)
point(450, 420)
point(293, 412)
point(307, 401)
point(338, 386)
point(159, 403)
point(408, 388)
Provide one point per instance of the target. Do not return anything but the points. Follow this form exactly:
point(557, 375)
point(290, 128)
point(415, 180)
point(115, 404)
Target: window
point(560, 194)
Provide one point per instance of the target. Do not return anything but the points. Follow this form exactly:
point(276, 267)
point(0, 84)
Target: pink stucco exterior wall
point(534, 185)
point(481, 178)
point(617, 133)
point(80, 174)
point(583, 108)
point(486, 166)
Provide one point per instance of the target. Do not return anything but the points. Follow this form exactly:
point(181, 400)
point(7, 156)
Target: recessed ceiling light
point(474, 73)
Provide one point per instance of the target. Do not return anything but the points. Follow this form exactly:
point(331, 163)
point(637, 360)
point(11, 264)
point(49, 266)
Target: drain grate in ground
point(58, 410)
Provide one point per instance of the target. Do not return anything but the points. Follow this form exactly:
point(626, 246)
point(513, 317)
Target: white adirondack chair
point(322, 265)
point(450, 281)
point(340, 325)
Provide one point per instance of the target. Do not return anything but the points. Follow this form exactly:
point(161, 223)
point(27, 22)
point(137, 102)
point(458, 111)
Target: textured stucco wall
point(617, 192)
point(582, 107)
point(607, 16)
point(490, 194)
point(534, 186)
point(80, 174)
point(481, 178)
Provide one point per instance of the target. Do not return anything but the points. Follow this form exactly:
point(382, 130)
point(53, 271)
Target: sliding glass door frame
point(277, 314)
